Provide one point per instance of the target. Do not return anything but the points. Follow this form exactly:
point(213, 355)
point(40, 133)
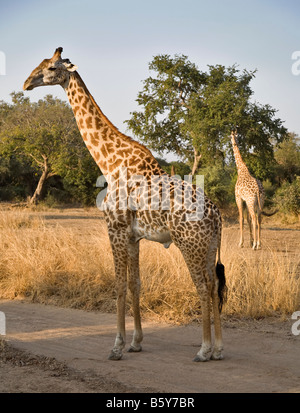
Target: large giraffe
point(249, 190)
point(118, 156)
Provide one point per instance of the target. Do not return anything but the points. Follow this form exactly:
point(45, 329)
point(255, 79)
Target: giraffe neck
point(240, 164)
point(110, 148)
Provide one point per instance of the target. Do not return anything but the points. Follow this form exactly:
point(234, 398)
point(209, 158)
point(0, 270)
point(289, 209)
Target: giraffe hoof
point(198, 358)
point(115, 354)
point(217, 356)
point(134, 349)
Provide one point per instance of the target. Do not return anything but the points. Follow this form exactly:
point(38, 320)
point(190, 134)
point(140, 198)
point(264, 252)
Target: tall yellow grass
point(73, 267)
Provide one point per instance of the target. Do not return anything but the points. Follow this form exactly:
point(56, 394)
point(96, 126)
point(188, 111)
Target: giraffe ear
point(70, 67)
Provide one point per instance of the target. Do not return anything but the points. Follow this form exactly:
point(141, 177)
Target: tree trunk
point(197, 158)
point(38, 191)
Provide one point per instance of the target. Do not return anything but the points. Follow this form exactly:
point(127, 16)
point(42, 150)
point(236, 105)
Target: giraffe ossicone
point(199, 240)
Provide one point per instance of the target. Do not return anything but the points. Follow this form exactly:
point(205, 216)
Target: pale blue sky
point(113, 41)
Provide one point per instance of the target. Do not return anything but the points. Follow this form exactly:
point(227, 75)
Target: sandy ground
point(51, 349)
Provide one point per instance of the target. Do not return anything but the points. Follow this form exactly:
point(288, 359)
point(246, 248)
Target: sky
point(112, 43)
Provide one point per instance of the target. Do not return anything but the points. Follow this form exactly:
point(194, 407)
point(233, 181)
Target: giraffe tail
point(220, 271)
point(222, 288)
point(258, 199)
point(269, 214)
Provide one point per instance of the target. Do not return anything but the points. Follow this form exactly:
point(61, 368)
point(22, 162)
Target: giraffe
point(199, 240)
point(249, 190)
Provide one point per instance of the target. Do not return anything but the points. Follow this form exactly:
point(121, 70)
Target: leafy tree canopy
point(45, 137)
point(191, 113)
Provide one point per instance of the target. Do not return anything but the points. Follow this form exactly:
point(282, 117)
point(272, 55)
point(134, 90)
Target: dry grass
point(73, 267)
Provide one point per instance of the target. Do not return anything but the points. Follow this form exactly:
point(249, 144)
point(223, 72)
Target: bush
point(218, 184)
point(287, 197)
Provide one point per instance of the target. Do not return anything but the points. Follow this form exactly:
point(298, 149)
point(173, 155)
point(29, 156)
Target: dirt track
point(53, 349)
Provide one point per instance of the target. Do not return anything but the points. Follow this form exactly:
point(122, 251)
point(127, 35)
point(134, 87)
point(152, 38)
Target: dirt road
point(51, 349)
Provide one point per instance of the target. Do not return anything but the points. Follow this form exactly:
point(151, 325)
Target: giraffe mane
point(125, 137)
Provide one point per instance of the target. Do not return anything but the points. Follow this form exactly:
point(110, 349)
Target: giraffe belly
point(144, 231)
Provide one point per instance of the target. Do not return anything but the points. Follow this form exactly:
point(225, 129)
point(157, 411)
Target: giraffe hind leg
point(239, 203)
point(218, 298)
point(250, 228)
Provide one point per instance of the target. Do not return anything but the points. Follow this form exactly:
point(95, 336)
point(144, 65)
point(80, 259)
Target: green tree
point(44, 135)
point(191, 113)
point(287, 156)
point(287, 197)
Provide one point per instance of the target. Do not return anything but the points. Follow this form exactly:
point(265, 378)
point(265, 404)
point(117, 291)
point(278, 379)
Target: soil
point(53, 350)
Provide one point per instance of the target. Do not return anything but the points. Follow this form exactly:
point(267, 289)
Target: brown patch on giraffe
point(134, 162)
point(85, 103)
point(124, 152)
point(104, 151)
point(94, 138)
point(115, 165)
point(103, 165)
point(83, 112)
point(80, 123)
point(120, 153)
point(110, 147)
point(84, 136)
point(89, 122)
point(98, 122)
point(113, 159)
point(91, 109)
point(76, 109)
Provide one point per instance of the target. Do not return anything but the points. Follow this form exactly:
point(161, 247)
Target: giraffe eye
point(52, 68)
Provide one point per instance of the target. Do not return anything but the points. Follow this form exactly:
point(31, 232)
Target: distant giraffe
point(250, 190)
point(199, 239)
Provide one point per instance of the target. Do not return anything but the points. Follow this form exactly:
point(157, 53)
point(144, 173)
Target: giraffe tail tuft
point(269, 214)
point(222, 288)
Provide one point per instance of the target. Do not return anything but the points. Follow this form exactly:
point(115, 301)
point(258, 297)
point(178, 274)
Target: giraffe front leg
point(134, 286)
point(120, 260)
point(250, 229)
point(117, 351)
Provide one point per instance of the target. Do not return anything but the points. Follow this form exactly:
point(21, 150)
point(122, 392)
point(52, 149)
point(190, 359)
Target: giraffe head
point(54, 71)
